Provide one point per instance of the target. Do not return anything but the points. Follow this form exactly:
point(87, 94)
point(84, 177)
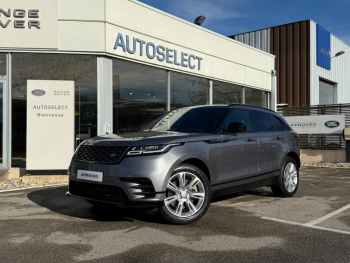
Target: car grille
point(100, 154)
point(100, 192)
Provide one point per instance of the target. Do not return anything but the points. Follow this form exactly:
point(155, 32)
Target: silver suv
point(180, 161)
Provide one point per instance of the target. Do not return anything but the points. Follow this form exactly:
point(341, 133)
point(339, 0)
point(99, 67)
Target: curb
point(31, 187)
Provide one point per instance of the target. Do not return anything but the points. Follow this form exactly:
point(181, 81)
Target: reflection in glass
point(79, 68)
point(188, 90)
point(3, 63)
point(255, 97)
point(139, 95)
point(225, 93)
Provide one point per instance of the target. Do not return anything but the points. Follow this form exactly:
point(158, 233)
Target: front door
point(239, 151)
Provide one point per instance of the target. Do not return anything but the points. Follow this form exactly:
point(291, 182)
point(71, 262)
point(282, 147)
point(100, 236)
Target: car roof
point(235, 105)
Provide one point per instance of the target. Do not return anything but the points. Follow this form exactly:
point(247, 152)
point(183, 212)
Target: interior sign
point(18, 16)
point(159, 52)
point(319, 124)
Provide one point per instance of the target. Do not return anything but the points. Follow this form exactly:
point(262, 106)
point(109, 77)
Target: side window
point(279, 124)
point(261, 122)
point(240, 116)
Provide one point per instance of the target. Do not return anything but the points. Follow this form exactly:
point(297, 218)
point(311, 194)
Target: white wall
point(92, 26)
point(340, 68)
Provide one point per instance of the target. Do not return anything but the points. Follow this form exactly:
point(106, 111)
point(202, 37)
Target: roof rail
point(252, 106)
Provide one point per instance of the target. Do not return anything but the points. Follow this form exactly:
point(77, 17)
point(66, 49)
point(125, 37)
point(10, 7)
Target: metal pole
point(211, 85)
point(168, 91)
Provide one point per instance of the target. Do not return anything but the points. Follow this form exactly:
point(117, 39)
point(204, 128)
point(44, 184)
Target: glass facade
point(225, 93)
point(30, 66)
point(3, 64)
point(255, 97)
point(188, 90)
point(139, 95)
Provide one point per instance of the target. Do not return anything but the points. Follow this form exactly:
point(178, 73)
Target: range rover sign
point(17, 16)
point(320, 124)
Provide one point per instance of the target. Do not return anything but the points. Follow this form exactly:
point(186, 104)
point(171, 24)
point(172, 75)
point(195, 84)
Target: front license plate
point(90, 175)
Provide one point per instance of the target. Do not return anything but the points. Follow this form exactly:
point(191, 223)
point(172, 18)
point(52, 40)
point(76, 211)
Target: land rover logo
point(38, 92)
point(331, 124)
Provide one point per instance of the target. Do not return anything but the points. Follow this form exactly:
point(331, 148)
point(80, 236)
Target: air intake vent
point(142, 187)
point(100, 154)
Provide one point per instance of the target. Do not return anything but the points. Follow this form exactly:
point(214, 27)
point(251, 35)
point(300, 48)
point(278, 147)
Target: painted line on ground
point(32, 187)
point(304, 179)
point(323, 218)
point(305, 225)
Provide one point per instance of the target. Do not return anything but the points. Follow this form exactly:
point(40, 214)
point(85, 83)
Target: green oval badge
point(331, 124)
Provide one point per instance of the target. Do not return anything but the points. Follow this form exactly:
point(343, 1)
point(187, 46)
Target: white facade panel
point(81, 36)
point(223, 58)
point(92, 10)
point(340, 68)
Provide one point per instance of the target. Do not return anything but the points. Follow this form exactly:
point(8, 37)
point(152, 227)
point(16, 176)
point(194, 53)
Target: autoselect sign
point(320, 124)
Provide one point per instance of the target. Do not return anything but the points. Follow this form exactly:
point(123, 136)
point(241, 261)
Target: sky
point(229, 17)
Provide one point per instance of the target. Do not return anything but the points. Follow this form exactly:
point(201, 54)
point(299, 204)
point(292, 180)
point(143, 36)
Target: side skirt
point(245, 184)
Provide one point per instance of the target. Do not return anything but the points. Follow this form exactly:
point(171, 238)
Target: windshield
point(203, 119)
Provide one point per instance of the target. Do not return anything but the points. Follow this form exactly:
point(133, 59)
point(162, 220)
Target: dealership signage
point(50, 124)
point(319, 124)
point(323, 48)
point(18, 15)
point(158, 52)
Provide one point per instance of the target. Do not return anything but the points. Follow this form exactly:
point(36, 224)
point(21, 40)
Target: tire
point(288, 180)
point(193, 201)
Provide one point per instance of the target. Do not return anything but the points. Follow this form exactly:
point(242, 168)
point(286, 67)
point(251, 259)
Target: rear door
point(239, 151)
point(271, 140)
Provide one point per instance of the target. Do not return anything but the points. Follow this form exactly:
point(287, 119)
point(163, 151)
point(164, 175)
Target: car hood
point(149, 138)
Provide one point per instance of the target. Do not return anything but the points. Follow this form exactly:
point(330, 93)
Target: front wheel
point(288, 181)
point(188, 195)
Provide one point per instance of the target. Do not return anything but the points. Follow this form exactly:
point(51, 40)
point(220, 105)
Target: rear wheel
point(288, 180)
point(187, 197)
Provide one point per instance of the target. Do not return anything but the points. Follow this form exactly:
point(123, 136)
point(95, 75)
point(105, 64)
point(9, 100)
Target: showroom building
point(74, 69)
point(308, 70)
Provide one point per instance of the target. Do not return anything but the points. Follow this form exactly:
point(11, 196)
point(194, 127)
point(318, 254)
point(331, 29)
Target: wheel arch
point(295, 156)
point(200, 164)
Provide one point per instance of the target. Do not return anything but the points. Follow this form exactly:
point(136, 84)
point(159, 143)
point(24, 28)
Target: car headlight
point(148, 149)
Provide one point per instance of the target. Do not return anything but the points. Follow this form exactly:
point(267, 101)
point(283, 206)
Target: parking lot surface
point(44, 225)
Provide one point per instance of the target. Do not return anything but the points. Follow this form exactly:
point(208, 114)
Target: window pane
point(224, 93)
point(261, 122)
point(239, 116)
point(188, 90)
point(254, 97)
point(204, 120)
point(279, 124)
point(3, 63)
point(79, 68)
point(139, 95)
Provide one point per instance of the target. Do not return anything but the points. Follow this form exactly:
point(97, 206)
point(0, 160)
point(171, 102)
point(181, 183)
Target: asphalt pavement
point(44, 225)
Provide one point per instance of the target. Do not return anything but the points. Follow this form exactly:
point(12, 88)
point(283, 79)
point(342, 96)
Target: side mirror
point(235, 127)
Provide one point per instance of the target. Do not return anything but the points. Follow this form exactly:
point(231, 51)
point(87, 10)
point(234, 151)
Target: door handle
point(279, 138)
point(252, 140)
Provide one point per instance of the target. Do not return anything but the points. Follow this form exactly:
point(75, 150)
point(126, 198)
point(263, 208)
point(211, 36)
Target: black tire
point(173, 219)
point(280, 188)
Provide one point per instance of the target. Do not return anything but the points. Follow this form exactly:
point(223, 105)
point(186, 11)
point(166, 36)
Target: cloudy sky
point(229, 17)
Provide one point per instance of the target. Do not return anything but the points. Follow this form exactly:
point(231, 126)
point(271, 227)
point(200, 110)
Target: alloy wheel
point(185, 194)
point(290, 177)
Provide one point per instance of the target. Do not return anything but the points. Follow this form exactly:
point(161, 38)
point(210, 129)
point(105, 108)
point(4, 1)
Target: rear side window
point(279, 124)
point(240, 116)
point(261, 122)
